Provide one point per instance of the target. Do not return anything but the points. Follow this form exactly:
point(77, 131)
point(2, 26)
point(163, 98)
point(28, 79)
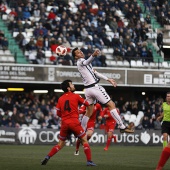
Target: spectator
point(19, 13)
point(144, 54)
point(40, 42)
point(98, 43)
point(148, 19)
point(83, 33)
point(32, 57)
point(26, 13)
point(102, 59)
point(4, 43)
point(21, 119)
point(150, 55)
point(147, 4)
point(26, 25)
point(113, 23)
point(12, 15)
point(53, 59)
point(31, 45)
point(96, 62)
point(128, 55)
point(40, 57)
point(46, 44)
point(146, 123)
point(3, 8)
point(19, 38)
point(116, 42)
point(51, 15)
point(160, 41)
point(117, 54)
point(38, 114)
point(67, 60)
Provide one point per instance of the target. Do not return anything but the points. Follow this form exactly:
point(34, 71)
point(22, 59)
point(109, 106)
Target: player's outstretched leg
point(87, 152)
point(77, 147)
point(53, 151)
point(91, 163)
point(116, 116)
point(45, 160)
point(126, 130)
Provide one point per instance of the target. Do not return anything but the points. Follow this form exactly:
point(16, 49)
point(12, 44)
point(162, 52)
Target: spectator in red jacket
point(51, 15)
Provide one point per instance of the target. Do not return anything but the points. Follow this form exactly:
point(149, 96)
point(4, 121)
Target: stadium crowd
point(64, 22)
point(38, 111)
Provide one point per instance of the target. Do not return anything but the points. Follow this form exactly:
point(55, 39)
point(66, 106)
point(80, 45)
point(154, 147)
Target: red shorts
point(71, 127)
point(110, 127)
point(90, 126)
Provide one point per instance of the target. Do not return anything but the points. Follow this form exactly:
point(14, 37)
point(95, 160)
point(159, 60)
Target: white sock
point(117, 118)
point(84, 121)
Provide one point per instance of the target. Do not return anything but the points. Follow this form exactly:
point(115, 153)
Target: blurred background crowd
point(38, 111)
point(39, 25)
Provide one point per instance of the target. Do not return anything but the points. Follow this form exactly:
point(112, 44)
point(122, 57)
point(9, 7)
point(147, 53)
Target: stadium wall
point(47, 74)
point(29, 136)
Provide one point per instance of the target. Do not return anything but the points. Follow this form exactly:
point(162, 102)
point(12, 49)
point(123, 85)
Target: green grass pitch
point(24, 157)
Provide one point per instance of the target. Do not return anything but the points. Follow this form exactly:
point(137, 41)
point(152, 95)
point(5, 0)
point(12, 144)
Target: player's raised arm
point(91, 58)
point(96, 53)
point(111, 81)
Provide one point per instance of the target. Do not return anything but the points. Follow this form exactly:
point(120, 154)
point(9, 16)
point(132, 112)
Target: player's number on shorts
point(67, 105)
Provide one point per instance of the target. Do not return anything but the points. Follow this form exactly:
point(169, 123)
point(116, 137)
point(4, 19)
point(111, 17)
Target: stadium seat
point(108, 63)
point(109, 33)
point(165, 64)
point(109, 57)
point(3, 59)
point(54, 126)
point(105, 51)
point(15, 34)
point(152, 65)
point(7, 52)
point(120, 63)
point(145, 64)
point(127, 117)
point(32, 126)
point(113, 63)
point(110, 50)
point(139, 63)
point(35, 122)
point(10, 59)
point(107, 28)
point(139, 118)
point(29, 34)
point(133, 63)
point(27, 40)
point(8, 11)
point(126, 63)
point(48, 53)
point(24, 125)
point(1, 52)
point(47, 61)
point(132, 118)
point(74, 43)
point(80, 44)
point(10, 113)
point(38, 127)
point(4, 17)
point(49, 8)
point(74, 9)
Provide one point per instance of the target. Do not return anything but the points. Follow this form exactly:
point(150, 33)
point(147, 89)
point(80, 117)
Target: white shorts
point(96, 93)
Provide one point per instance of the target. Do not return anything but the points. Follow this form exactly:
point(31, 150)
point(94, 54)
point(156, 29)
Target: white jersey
point(86, 71)
point(90, 79)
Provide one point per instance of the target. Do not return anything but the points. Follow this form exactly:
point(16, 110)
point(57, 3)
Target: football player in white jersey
point(93, 91)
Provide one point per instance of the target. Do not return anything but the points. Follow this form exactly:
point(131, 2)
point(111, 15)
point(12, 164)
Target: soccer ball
point(61, 50)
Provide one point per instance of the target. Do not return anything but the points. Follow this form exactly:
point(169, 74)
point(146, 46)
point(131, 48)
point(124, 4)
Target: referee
point(166, 119)
point(165, 155)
